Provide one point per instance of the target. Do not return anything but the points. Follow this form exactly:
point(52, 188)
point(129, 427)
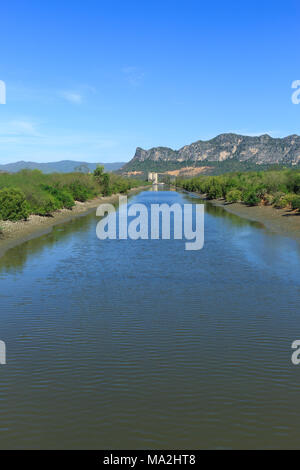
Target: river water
point(141, 344)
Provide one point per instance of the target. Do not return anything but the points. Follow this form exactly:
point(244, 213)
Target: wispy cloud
point(21, 139)
point(72, 96)
point(25, 133)
point(19, 93)
point(18, 127)
point(133, 75)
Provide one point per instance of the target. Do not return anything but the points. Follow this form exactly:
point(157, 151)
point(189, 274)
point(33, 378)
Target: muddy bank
point(285, 222)
point(282, 221)
point(15, 233)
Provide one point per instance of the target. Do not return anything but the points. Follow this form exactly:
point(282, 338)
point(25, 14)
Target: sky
point(92, 80)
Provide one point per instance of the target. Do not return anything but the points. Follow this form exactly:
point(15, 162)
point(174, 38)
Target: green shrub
point(13, 205)
point(250, 198)
point(286, 200)
point(117, 184)
point(269, 199)
point(281, 203)
point(63, 197)
point(260, 191)
point(45, 193)
point(296, 203)
point(107, 189)
point(42, 203)
point(293, 182)
point(274, 187)
point(277, 199)
point(234, 196)
point(214, 190)
point(98, 173)
point(79, 191)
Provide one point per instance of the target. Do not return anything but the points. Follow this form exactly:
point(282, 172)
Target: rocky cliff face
point(261, 150)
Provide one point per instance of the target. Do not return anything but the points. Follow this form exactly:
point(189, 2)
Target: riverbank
point(16, 233)
point(282, 221)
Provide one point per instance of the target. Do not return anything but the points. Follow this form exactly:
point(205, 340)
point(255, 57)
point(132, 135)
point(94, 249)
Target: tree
point(103, 179)
point(98, 174)
point(106, 184)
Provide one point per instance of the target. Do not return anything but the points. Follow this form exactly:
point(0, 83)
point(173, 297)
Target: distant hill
point(65, 166)
point(230, 149)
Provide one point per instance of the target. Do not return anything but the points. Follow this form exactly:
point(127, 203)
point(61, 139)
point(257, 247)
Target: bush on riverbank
point(112, 183)
point(33, 192)
point(234, 195)
point(13, 204)
point(278, 188)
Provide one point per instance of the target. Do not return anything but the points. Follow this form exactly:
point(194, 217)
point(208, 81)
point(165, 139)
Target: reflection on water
point(233, 219)
point(140, 344)
point(218, 211)
point(17, 256)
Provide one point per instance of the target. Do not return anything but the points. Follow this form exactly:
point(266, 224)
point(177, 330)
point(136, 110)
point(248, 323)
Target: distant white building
point(153, 177)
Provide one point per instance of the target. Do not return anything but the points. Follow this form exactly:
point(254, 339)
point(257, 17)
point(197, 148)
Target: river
point(141, 344)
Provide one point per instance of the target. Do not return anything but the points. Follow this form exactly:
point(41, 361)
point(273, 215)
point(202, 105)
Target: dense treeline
point(33, 192)
point(278, 188)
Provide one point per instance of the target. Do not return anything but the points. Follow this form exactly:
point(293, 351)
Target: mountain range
point(65, 166)
point(225, 149)
point(260, 150)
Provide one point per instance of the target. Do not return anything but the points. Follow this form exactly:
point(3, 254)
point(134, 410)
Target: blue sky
point(92, 80)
